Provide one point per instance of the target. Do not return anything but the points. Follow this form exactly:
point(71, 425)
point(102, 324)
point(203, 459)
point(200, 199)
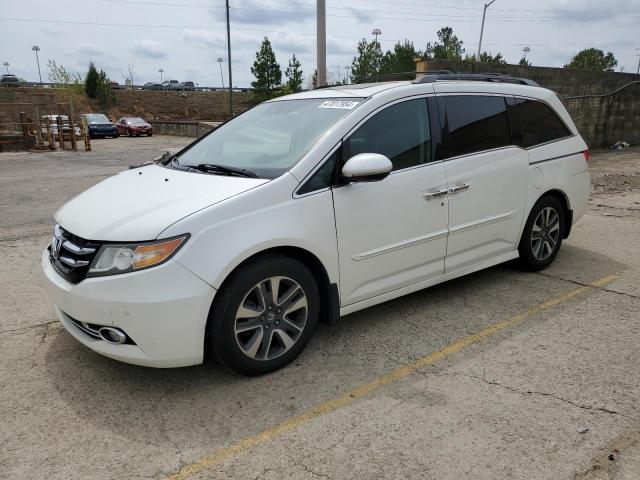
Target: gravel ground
point(498, 375)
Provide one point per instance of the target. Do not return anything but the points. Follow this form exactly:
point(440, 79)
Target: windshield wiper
point(223, 169)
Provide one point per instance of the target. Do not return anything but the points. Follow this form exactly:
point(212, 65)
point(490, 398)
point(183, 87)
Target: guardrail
point(128, 87)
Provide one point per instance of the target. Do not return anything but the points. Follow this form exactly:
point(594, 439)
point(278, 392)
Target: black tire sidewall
point(221, 321)
point(527, 258)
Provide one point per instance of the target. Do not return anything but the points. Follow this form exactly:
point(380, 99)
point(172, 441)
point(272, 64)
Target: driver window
point(400, 132)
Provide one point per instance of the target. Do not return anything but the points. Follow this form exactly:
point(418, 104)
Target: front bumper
point(163, 310)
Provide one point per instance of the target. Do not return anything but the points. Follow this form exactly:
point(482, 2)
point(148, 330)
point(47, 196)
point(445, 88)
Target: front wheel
point(264, 316)
point(542, 235)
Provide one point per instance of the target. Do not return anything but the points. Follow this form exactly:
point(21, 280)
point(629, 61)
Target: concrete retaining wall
point(182, 128)
point(603, 111)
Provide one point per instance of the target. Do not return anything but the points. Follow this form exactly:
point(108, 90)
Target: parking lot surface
point(502, 374)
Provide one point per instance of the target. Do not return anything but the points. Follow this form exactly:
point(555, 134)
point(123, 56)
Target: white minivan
point(313, 206)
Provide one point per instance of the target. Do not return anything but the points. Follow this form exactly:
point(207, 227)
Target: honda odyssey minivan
point(313, 206)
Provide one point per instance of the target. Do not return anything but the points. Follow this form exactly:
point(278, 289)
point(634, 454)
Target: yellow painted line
point(217, 457)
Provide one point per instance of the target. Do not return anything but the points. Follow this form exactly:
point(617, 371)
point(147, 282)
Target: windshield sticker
point(340, 104)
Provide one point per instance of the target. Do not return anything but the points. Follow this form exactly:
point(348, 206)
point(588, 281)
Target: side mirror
point(367, 167)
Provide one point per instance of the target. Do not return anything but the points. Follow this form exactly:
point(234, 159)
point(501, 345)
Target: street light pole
point(321, 43)
point(638, 55)
point(161, 71)
point(36, 49)
point(526, 50)
point(6, 65)
point(347, 68)
point(220, 60)
point(376, 32)
point(484, 13)
point(229, 60)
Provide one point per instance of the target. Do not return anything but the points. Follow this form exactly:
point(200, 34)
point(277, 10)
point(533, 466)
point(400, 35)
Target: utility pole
point(36, 49)
point(229, 61)
point(348, 68)
point(484, 13)
point(220, 60)
point(6, 65)
point(321, 41)
point(638, 55)
point(161, 71)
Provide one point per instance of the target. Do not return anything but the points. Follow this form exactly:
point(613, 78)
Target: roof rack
point(431, 77)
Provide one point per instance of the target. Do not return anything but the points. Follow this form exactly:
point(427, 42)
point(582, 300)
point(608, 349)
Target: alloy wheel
point(545, 233)
point(271, 318)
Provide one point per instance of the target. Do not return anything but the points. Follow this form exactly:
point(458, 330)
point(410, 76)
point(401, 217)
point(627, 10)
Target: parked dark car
point(189, 86)
point(100, 126)
point(9, 80)
point(152, 86)
point(133, 126)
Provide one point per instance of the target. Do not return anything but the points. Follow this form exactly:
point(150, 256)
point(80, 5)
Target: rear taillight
point(586, 155)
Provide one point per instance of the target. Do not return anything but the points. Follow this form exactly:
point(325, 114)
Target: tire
point(240, 340)
point(542, 235)
point(129, 134)
point(149, 134)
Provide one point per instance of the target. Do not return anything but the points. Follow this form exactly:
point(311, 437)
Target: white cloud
point(149, 48)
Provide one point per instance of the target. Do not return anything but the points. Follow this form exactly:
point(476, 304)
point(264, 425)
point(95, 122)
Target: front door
point(392, 233)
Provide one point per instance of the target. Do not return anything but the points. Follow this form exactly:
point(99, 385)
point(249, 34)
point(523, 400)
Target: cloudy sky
point(185, 37)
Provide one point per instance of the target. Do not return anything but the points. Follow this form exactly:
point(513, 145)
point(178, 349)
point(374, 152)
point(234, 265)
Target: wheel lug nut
point(261, 318)
point(266, 327)
point(277, 322)
point(270, 307)
point(279, 310)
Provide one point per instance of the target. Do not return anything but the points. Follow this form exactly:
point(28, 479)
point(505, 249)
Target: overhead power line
point(413, 16)
point(263, 30)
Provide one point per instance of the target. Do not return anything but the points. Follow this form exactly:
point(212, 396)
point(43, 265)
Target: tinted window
point(401, 132)
point(537, 123)
point(323, 177)
point(476, 123)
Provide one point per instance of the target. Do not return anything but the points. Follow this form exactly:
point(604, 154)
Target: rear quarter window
point(535, 123)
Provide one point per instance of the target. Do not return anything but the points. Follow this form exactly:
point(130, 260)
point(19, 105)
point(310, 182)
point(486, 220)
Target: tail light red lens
point(586, 155)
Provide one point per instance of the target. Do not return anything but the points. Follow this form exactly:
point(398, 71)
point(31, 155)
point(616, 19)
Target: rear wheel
point(264, 316)
point(542, 236)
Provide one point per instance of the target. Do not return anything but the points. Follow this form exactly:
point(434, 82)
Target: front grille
point(71, 255)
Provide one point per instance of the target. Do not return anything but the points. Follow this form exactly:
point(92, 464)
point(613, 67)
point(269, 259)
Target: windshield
point(135, 121)
point(270, 138)
point(97, 118)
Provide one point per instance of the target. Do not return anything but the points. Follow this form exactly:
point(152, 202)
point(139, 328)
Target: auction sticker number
point(340, 104)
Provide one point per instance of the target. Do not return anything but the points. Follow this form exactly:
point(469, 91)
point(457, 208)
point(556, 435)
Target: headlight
point(113, 259)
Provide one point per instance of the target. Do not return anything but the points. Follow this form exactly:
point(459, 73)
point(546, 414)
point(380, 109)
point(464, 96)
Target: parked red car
point(133, 126)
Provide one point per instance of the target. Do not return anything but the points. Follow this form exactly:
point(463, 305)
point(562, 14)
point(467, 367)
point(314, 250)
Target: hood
point(139, 204)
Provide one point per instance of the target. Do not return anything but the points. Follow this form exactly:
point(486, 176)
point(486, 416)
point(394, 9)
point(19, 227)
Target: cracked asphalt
point(498, 375)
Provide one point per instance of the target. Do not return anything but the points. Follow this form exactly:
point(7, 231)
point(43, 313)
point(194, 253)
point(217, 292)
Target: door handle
point(432, 195)
point(459, 188)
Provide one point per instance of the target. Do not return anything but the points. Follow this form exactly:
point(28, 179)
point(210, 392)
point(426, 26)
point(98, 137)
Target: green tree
point(524, 62)
point(401, 59)
point(487, 58)
point(91, 81)
point(593, 59)
point(314, 79)
point(294, 75)
point(366, 66)
point(448, 46)
point(266, 70)
point(104, 93)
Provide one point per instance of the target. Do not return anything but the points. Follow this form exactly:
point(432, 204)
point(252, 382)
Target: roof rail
point(431, 77)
